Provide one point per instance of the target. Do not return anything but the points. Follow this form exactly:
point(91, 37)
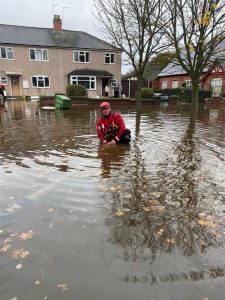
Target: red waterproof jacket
point(2, 87)
point(110, 127)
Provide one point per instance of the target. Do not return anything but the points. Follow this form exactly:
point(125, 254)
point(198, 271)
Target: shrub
point(76, 90)
point(170, 92)
point(187, 95)
point(146, 93)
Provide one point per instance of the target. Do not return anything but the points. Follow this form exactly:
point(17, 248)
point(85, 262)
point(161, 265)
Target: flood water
point(88, 222)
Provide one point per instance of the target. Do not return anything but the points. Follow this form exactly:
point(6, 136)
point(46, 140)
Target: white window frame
point(4, 80)
point(164, 84)
point(86, 55)
point(188, 83)
point(110, 56)
point(38, 54)
point(216, 85)
point(113, 82)
point(175, 84)
point(39, 79)
point(78, 79)
point(8, 51)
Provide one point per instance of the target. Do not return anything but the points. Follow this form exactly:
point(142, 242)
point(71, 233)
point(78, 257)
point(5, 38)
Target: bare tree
point(135, 27)
point(197, 33)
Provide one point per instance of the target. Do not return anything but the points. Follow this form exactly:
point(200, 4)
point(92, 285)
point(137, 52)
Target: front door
point(15, 85)
point(104, 83)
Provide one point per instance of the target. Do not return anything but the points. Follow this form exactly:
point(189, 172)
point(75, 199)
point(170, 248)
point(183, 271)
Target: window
point(87, 81)
point(40, 81)
point(109, 58)
point(113, 82)
point(81, 56)
point(188, 84)
point(38, 54)
point(6, 53)
point(164, 84)
point(216, 84)
point(174, 84)
point(3, 80)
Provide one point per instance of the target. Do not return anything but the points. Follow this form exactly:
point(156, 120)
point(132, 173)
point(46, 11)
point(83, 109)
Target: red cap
point(104, 104)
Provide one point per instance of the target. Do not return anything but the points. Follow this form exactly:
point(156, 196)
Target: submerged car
point(162, 97)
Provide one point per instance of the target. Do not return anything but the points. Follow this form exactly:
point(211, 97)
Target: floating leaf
point(19, 266)
point(128, 196)
point(21, 253)
point(170, 241)
point(119, 213)
point(5, 248)
point(7, 240)
point(26, 235)
point(207, 223)
point(202, 242)
point(202, 215)
point(113, 189)
point(161, 231)
point(159, 208)
point(37, 282)
point(63, 287)
point(51, 209)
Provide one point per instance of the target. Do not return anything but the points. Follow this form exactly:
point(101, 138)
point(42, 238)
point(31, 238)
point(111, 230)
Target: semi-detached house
point(43, 61)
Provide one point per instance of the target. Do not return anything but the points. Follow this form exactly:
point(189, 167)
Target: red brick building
point(174, 76)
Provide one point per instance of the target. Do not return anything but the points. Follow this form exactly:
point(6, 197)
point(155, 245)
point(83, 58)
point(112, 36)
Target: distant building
point(173, 76)
point(43, 61)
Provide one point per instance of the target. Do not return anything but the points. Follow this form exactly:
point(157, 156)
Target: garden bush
point(146, 93)
point(76, 90)
point(185, 93)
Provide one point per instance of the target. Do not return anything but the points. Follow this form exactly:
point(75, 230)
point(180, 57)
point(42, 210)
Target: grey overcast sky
point(77, 14)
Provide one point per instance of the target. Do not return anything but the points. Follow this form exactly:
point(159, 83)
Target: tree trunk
point(138, 100)
point(195, 97)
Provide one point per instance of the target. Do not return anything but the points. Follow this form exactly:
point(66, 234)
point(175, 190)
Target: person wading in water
point(111, 128)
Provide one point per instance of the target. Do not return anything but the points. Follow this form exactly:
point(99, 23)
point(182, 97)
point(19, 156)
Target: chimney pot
point(57, 24)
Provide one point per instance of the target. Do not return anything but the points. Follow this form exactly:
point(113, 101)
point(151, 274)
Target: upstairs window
point(81, 56)
point(39, 54)
point(109, 58)
point(6, 53)
point(40, 81)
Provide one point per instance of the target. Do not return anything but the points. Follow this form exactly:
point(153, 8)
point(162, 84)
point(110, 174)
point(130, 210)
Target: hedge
point(186, 94)
point(76, 90)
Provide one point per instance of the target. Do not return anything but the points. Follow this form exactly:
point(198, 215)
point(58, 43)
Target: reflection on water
point(79, 220)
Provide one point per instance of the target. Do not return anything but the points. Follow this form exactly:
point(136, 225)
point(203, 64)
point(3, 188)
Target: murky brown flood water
point(80, 221)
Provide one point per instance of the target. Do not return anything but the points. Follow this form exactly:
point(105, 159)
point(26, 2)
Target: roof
point(91, 72)
point(172, 69)
point(45, 37)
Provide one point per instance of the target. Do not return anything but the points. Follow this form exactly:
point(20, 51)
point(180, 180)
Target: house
point(173, 76)
point(43, 61)
point(214, 78)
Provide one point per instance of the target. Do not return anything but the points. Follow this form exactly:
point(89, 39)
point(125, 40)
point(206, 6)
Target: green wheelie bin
point(62, 101)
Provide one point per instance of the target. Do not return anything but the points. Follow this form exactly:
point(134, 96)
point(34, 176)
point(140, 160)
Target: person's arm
point(100, 132)
point(121, 125)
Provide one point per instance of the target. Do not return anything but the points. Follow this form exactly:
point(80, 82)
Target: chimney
point(57, 24)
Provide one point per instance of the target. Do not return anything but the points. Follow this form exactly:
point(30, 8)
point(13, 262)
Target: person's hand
point(111, 143)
